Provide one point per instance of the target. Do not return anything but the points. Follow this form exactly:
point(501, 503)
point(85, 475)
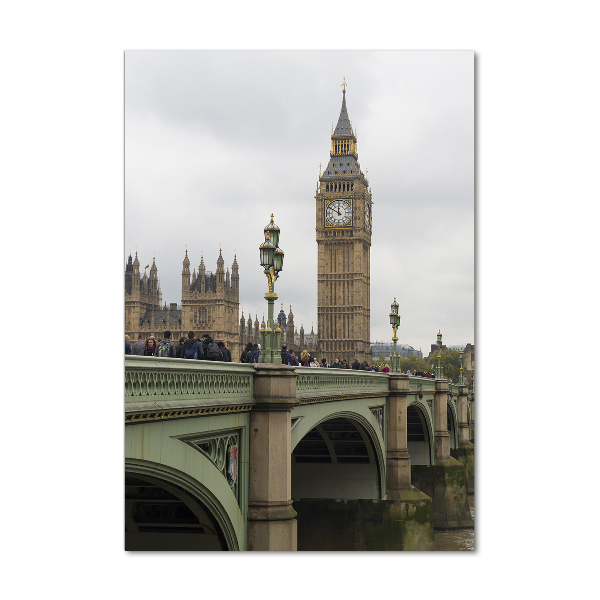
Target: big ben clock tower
point(344, 227)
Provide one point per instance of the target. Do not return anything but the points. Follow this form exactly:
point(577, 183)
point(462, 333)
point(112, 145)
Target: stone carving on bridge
point(378, 414)
point(223, 450)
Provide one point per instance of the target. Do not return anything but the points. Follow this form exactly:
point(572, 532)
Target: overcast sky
point(216, 141)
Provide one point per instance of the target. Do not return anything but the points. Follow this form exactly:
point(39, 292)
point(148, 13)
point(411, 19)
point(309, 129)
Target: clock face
point(339, 213)
point(368, 216)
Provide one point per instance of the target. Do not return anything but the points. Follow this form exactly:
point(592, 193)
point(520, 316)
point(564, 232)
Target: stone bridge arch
point(165, 509)
point(339, 453)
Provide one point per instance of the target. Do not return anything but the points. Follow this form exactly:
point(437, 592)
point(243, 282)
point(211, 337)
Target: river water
point(457, 539)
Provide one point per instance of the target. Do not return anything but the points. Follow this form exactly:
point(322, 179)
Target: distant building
point(386, 350)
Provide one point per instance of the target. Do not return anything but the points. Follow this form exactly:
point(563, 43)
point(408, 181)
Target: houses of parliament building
point(210, 301)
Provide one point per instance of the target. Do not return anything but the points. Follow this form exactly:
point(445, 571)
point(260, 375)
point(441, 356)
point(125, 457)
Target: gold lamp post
point(395, 323)
point(271, 259)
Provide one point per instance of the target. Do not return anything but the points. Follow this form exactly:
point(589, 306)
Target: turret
point(235, 277)
point(153, 282)
point(249, 327)
point(202, 274)
point(129, 276)
point(220, 270)
point(185, 276)
point(242, 328)
point(289, 330)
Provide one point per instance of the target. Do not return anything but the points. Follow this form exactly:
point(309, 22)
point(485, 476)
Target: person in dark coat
point(127, 345)
point(225, 352)
point(285, 355)
point(356, 365)
point(206, 340)
point(336, 364)
point(192, 348)
point(245, 358)
point(179, 348)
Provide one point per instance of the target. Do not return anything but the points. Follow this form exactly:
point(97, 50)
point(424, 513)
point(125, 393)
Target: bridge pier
point(271, 518)
point(465, 452)
point(445, 480)
point(412, 509)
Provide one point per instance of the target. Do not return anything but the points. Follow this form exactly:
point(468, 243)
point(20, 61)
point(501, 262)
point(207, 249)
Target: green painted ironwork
point(315, 383)
point(151, 379)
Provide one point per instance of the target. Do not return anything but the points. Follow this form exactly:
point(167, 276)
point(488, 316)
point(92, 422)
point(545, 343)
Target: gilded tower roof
point(343, 128)
point(343, 164)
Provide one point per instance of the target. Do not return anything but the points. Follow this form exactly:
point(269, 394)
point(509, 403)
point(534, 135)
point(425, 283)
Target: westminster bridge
point(235, 456)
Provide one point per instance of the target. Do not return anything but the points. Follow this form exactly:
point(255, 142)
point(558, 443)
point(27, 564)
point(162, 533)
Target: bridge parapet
point(336, 384)
point(172, 384)
point(421, 384)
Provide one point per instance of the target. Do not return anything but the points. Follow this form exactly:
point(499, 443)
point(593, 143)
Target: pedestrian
point(356, 364)
point(408, 371)
point(165, 347)
point(150, 347)
point(293, 359)
point(305, 359)
point(245, 358)
point(210, 349)
point(192, 348)
point(179, 348)
point(324, 363)
point(127, 345)
point(255, 354)
point(227, 350)
point(345, 364)
point(385, 368)
point(285, 355)
point(337, 364)
point(313, 362)
point(139, 347)
point(225, 353)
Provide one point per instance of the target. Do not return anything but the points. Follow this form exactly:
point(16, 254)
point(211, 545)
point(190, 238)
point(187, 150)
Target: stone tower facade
point(142, 298)
point(343, 230)
point(210, 302)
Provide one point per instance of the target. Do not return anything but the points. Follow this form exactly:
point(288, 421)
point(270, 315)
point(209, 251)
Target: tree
point(450, 364)
point(413, 363)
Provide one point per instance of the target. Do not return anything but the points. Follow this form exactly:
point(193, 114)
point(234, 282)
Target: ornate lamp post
point(461, 378)
point(439, 372)
point(271, 259)
point(395, 323)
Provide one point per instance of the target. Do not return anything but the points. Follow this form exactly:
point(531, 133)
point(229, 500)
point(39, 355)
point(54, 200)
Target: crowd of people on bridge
point(206, 348)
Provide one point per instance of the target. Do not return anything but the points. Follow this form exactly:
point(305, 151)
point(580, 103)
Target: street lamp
point(395, 323)
point(461, 378)
point(271, 260)
point(439, 371)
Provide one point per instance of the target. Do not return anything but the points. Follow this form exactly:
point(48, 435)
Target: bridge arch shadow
point(340, 457)
point(419, 435)
point(452, 420)
point(167, 510)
